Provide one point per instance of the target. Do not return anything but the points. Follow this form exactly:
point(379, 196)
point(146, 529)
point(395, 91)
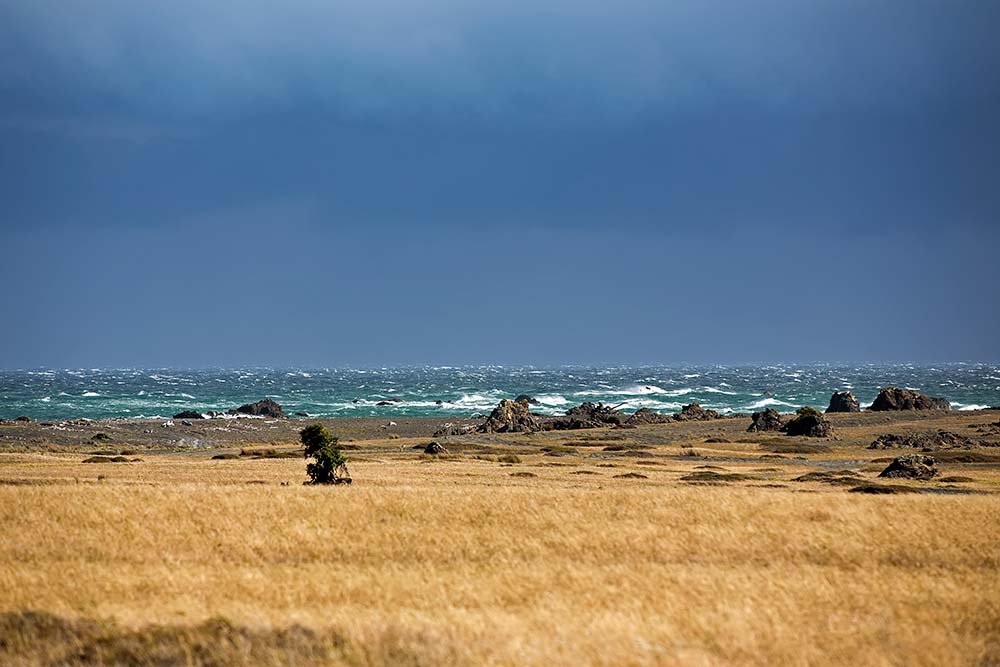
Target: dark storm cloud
point(575, 61)
point(634, 181)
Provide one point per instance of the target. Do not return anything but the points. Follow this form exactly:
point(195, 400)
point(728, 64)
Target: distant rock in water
point(694, 412)
point(808, 422)
point(894, 398)
point(264, 408)
point(768, 420)
point(588, 415)
point(912, 466)
point(189, 414)
point(510, 417)
point(524, 398)
point(646, 416)
point(843, 401)
point(22, 418)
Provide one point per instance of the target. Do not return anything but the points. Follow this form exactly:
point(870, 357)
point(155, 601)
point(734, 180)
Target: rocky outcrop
point(912, 466)
point(264, 408)
point(894, 398)
point(644, 416)
point(694, 412)
point(843, 401)
point(524, 398)
point(435, 448)
point(767, 420)
point(510, 417)
point(189, 414)
point(453, 429)
point(588, 415)
point(808, 422)
point(22, 418)
point(933, 440)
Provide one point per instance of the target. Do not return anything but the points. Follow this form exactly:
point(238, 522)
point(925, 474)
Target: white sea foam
point(90, 394)
point(637, 390)
point(46, 399)
point(633, 404)
point(767, 402)
point(970, 406)
point(551, 400)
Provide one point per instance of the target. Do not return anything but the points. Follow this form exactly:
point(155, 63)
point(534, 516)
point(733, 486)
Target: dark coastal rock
point(933, 440)
point(767, 420)
point(189, 414)
point(646, 416)
point(453, 429)
point(435, 448)
point(22, 418)
point(843, 401)
point(524, 398)
point(694, 412)
point(510, 417)
point(384, 403)
point(894, 398)
point(301, 414)
point(808, 422)
point(264, 408)
point(588, 415)
point(912, 466)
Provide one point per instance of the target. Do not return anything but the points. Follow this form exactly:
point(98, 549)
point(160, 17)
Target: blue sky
point(321, 183)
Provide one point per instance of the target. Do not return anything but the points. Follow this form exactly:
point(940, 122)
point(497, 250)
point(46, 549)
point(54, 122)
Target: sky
point(316, 183)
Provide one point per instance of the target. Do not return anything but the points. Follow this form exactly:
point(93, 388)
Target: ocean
point(468, 390)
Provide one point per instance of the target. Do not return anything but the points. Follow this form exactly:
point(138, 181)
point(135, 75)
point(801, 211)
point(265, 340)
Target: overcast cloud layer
point(536, 182)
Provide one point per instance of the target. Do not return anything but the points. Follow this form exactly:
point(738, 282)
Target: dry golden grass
point(433, 562)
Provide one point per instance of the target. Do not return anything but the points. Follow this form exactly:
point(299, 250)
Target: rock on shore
point(766, 420)
point(589, 415)
point(510, 417)
point(894, 398)
point(843, 401)
point(264, 408)
point(694, 412)
point(912, 466)
point(808, 422)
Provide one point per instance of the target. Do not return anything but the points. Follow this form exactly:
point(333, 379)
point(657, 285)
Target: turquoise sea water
point(464, 391)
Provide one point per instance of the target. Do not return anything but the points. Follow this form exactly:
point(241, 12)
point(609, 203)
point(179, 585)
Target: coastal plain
point(129, 543)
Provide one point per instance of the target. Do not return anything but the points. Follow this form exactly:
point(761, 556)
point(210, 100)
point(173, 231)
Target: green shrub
point(330, 466)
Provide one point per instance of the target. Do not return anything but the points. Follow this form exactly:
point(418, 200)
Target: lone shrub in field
point(330, 466)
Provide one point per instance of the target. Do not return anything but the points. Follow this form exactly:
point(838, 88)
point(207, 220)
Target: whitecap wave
point(546, 399)
point(90, 394)
point(970, 406)
point(715, 390)
point(768, 402)
point(637, 390)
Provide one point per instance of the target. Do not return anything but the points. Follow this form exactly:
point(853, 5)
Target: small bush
point(330, 466)
point(509, 458)
point(100, 437)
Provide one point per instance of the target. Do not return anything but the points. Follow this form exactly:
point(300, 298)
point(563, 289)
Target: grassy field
point(463, 559)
